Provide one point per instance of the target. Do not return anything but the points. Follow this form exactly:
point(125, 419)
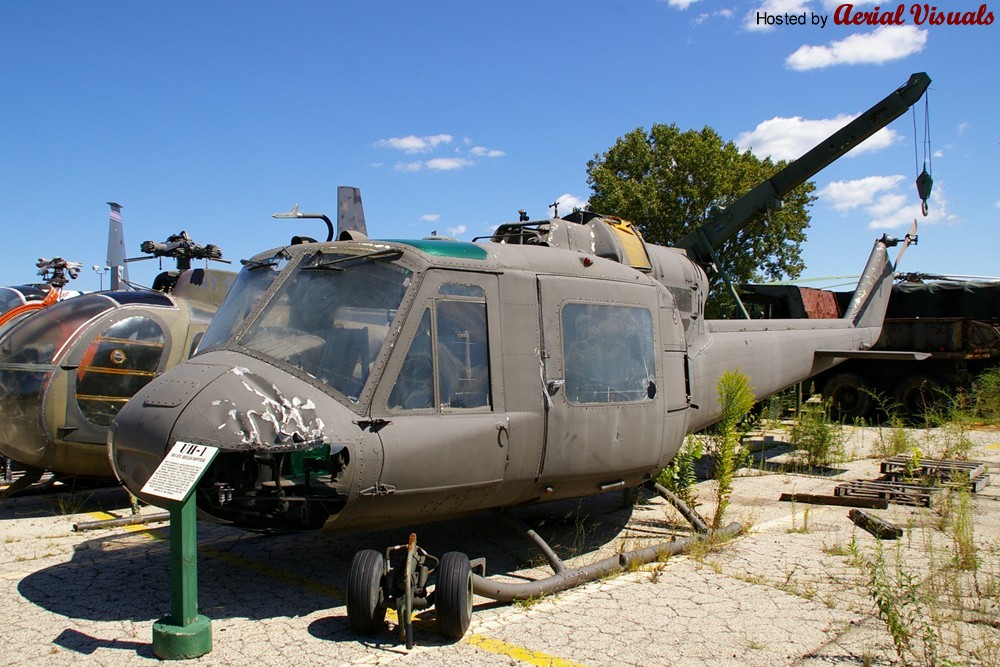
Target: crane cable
point(924, 180)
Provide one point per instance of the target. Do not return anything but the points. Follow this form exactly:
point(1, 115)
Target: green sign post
point(185, 633)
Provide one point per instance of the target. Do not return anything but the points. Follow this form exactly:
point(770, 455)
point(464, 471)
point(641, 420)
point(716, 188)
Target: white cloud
point(447, 163)
point(885, 203)
point(998, 203)
point(430, 217)
point(681, 4)
point(962, 127)
point(482, 151)
point(414, 144)
point(831, 5)
point(705, 16)
point(845, 196)
point(568, 203)
point(885, 43)
point(457, 231)
point(789, 138)
point(435, 164)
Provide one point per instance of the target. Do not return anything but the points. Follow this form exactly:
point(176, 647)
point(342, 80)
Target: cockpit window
point(331, 317)
point(448, 364)
point(39, 339)
point(10, 298)
point(255, 279)
point(117, 364)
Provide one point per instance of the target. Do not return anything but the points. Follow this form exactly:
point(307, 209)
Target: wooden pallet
point(945, 471)
point(894, 492)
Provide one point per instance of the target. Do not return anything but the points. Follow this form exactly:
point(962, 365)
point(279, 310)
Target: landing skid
point(399, 578)
point(29, 477)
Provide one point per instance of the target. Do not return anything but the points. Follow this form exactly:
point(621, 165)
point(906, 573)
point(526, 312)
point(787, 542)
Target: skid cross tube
point(565, 579)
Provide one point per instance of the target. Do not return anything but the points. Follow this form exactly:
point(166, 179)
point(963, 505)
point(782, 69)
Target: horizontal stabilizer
point(873, 355)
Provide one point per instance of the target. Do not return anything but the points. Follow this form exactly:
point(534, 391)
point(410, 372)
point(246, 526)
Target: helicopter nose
point(286, 447)
point(140, 435)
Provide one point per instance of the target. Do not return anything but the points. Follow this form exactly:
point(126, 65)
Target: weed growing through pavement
point(735, 399)
point(804, 528)
point(900, 605)
point(679, 477)
point(820, 438)
point(963, 540)
point(894, 439)
point(528, 603)
point(70, 504)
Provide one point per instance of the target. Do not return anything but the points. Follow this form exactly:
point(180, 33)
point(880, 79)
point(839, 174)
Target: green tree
point(665, 181)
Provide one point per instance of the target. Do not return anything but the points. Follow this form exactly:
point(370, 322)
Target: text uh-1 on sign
point(180, 470)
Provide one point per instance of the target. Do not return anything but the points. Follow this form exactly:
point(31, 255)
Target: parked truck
point(939, 334)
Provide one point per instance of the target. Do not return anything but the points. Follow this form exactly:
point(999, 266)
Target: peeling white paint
point(279, 420)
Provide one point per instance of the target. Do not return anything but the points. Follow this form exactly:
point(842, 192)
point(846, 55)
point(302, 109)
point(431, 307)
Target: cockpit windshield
point(255, 279)
point(39, 339)
point(331, 316)
point(10, 298)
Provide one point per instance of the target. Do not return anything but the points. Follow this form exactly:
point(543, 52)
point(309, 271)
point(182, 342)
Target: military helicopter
point(366, 384)
point(19, 301)
point(65, 376)
point(66, 371)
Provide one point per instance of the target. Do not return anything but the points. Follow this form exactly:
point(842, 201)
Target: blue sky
point(451, 116)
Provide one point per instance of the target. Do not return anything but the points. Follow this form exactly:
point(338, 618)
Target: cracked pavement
point(793, 590)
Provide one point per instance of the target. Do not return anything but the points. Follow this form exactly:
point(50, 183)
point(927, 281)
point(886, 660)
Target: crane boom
point(702, 243)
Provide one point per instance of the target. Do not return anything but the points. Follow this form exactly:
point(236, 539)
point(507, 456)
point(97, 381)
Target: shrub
point(679, 477)
point(988, 395)
point(820, 438)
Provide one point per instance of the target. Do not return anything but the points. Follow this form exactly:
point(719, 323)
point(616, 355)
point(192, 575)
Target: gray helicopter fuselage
point(363, 384)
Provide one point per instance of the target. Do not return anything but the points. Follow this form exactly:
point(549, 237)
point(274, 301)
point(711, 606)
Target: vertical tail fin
point(116, 248)
point(868, 305)
point(350, 212)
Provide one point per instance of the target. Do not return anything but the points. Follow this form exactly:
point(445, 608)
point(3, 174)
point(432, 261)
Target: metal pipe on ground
point(692, 517)
point(159, 517)
point(503, 591)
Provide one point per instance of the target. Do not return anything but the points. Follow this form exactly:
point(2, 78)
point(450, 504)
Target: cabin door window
point(602, 373)
point(442, 409)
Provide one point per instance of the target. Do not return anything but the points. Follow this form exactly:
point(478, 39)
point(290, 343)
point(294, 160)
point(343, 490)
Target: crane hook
point(924, 185)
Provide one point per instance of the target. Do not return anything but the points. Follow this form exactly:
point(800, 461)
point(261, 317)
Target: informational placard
point(180, 470)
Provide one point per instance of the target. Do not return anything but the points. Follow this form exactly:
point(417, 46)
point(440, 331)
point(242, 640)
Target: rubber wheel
point(917, 394)
point(365, 603)
point(453, 595)
point(848, 396)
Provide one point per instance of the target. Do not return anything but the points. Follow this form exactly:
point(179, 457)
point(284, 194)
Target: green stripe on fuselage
point(442, 248)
